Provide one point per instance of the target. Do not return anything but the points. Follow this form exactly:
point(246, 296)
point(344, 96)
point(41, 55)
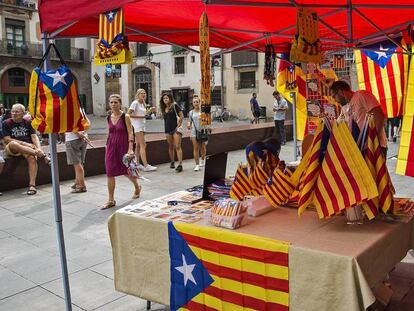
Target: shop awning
point(233, 24)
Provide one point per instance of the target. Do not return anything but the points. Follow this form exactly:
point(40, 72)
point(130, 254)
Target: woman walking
point(173, 119)
point(120, 141)
point(194, 125)
point(137, 112)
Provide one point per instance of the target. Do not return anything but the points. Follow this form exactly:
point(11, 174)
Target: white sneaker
point(150, 168)
point(202, 163)
point(140, 167)
point(197, 168)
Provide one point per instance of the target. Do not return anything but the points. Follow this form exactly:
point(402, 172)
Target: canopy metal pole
point(57, 204)
point(222, 81)
point(295, 142)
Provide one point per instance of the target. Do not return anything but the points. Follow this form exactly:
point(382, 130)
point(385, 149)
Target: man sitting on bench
point(21, 140)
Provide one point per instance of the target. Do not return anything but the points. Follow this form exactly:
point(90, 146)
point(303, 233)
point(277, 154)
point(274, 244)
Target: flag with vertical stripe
point(216, 269)
point(54, 103)
point(338, 61)
point(258, 178)
point(278, 188)
point(382, 69)
point(405, 162)
point(379, 171)
point(344, 179)
point(241, 185)
point(111, 26)
point(285, 76)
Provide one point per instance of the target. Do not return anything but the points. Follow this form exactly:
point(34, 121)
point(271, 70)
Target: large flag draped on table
point(379, 171)
point(216, 269)
point(405, 163)
point(344, 178)
point(286, 83)
point(383, 72)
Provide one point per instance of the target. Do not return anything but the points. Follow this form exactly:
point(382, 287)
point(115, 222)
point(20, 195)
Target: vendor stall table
point(332, 265)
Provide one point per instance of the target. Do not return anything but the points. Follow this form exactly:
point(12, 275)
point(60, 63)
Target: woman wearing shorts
point(137, 112)
point(194, 124)
point(173, 119)
point(75, 155)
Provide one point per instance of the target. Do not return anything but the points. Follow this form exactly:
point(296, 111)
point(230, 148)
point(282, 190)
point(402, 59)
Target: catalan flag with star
point(111, 26)
point(217, 269)
point(54, 103)
point(382, 69)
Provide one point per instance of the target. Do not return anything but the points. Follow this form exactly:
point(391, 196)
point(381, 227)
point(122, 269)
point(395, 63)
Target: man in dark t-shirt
point(21, 140)
point(254, 106)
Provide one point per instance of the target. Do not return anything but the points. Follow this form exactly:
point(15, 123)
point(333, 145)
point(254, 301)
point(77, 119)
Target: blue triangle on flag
point(110, 15)
point(380, 53)
point(58, 80)
point(188, 275)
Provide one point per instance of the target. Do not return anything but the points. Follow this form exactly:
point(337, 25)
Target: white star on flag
point(382, 52)
point(57, 77)
point(187, 271)
point(111, 15)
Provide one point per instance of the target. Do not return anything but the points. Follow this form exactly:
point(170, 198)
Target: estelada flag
point(216, 269)
point(111, 26)
point(338, 61)
point(54, 103)
point(382, 69)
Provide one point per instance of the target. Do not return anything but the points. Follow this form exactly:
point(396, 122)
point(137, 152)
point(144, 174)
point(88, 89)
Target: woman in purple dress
point(120, 141)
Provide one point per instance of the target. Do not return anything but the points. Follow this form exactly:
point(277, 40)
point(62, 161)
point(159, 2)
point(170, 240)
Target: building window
point(193, 59)
point(216, 96)
point(142, 49)
point(179, 65)
point(244, 59)
point(247, 80)
point(14, 33)
point(17, 77)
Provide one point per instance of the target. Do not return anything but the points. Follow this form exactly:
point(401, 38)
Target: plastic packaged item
point(227, 213)
point(257, 206)
point(229, 222)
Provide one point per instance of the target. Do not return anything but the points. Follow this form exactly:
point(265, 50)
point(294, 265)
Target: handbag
point(53, 100)
point(202, 135)
point(179, 129)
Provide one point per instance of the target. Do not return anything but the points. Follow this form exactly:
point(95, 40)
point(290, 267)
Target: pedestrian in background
point(279, 108)
point(120, 141)
point(76, 144)
point(194, 125)
point(254, 107)
point(173, 119)
point(137, 112)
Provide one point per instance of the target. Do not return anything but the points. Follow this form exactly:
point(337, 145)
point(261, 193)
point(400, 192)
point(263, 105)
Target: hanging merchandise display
point(270, 65)
point(205, 66)
point(306, 46)
point(113, 46)
point(53, 100)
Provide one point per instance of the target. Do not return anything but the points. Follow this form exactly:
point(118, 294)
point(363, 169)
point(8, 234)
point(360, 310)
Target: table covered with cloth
point(332, 265)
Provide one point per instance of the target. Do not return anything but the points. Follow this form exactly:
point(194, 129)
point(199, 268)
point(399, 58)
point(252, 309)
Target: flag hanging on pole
point(286, 75)
point(405, 162)
point(338, 61)
point(216, 269)
point(382, 69)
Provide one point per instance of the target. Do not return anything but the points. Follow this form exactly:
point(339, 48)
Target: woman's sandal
point(136, 195)
point(108, 204)
point(32, 190)
point(78, 190)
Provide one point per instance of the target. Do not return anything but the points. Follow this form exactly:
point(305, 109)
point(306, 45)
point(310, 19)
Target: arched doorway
point(15, 87)
point(143, 80)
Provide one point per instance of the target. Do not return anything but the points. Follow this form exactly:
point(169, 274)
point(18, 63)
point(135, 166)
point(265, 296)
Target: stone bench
point(231, 138)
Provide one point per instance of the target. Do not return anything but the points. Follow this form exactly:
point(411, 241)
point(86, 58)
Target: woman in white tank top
point(137, 112)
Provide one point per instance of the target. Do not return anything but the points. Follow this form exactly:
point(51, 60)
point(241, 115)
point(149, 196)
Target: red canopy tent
point(233, 24)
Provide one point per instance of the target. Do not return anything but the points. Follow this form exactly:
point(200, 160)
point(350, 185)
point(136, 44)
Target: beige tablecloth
point(332, 266)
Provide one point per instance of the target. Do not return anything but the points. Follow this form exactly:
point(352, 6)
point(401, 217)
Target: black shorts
point(396, 121)
point(256, 113)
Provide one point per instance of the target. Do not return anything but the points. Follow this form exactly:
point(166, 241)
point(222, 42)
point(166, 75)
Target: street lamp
point(156, 64)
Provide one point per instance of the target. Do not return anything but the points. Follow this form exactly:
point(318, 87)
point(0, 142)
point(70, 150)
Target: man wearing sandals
point(21, 140)
point(76, 144)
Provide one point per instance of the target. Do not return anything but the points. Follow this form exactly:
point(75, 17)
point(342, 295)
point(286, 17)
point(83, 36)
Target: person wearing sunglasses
point(355, 107)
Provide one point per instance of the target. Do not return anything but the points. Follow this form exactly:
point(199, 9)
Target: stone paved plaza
point(30, 275)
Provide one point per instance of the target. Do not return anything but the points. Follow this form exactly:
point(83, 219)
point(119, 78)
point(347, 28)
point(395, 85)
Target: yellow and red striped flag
point(258, 178)
point(111, 26)
point(311, 171)
point(405, 163)
point(285, 75)
point(383, 72)
point(344, 178)
point(278, 188)
point(241, 185)
point(379, 171)
point(270, 163)
point(216, 269)
point(338, 61)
